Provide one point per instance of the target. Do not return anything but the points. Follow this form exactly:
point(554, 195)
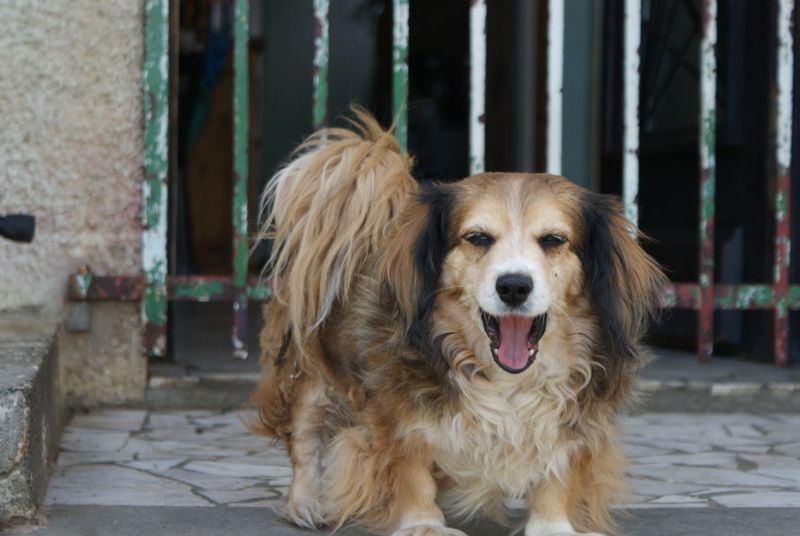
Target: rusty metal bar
point(630, 155)
point(197, 289)
point(555, 83)
point(131, 288)
point(681, 296)
point(155, 78)
point(240, 169)
point(731, 297)
point(707, 137)
point(205, 289)
point(783, 188)
point(477, 86)
point(400, 70)
point(87, 287)
point(321, 55)
point(214, 288)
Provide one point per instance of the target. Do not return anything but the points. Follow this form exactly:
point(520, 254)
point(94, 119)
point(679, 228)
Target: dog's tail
point(325, 213)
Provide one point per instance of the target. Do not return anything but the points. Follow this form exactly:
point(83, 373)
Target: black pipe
point(18, 227)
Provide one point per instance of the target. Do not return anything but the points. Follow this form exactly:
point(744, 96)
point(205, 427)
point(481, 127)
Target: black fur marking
point(280, 358)
point(429, 254)
point(602, 260)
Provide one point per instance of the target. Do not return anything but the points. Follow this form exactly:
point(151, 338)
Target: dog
point(446, 347)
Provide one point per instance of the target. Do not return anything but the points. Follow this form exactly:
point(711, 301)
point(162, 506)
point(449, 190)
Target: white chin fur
point(495, 307)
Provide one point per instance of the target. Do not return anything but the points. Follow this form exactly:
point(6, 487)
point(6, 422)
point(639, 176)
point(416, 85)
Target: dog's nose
point(514, 289)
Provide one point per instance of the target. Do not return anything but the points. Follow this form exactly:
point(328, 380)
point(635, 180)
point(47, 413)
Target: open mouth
point(514, 339)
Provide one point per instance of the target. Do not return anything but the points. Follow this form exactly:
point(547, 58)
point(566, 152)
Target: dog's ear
point(432, 245)
point(625, 284)
point(412, 264)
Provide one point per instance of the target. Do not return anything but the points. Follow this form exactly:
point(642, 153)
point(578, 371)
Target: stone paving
point(205, 458)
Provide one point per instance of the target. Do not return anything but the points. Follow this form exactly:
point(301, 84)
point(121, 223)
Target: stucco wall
point(70, 141)
point(71, 154)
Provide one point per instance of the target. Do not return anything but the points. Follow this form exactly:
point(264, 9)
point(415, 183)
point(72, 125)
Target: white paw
point(305, 514)
point(577, 534)
point(538, 527)
point(428, 529)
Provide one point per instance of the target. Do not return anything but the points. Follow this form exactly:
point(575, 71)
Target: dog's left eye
point(479, 239)
point(551, 240)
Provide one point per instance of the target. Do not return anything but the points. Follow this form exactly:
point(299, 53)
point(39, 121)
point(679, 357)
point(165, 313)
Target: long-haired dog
point(446, 347)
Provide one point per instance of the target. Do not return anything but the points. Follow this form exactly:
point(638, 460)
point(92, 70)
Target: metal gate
point(154, 288)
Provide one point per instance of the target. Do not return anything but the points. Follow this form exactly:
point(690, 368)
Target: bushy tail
point(326, 211)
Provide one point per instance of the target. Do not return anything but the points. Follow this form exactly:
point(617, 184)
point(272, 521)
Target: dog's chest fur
point(504, 442)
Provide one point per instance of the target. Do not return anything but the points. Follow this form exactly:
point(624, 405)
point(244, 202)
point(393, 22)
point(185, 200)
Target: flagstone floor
point(204, 458)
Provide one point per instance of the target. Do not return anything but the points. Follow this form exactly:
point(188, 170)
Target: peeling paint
point(477, 86)
point(730, 297)
point(81, 282)
point(154, 189)
point(181, 288)
point(400, 70)
point(707, 126)
point(240, 177)
point(555, 83)
point(197, 290)
point(783, 154)
point(259, 292)
point(630, 155)
point(321, 54)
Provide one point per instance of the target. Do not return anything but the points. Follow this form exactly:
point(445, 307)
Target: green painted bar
point(400, 70)
point(794, 297)
point(259, 292)
point(213, 288)
point(744, 297)
point(155, 77)
point(240, 168)
point(730, 297)
point(321, 55)
point(197, 290)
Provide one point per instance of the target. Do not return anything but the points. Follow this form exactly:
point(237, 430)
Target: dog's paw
point(306, 514)
point(428, 530)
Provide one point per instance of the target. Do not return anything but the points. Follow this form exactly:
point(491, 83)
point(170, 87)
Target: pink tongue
point(513, 350)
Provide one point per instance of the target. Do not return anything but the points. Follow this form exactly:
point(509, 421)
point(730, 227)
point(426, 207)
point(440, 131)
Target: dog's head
point(515, 265)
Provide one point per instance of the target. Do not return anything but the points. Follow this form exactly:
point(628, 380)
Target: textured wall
point(71, 154)
point(70, 141)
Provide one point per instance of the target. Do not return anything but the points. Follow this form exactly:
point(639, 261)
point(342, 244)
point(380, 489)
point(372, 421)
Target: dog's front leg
point(415, 502)
point(303, 505)
point(548, 515)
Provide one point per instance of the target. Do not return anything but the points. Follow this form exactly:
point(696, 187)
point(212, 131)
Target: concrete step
point(213, 521)
point(30, 413)
point(673, 382)
point(200, 390)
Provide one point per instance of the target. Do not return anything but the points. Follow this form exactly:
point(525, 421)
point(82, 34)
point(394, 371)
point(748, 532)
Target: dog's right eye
point(479, 239)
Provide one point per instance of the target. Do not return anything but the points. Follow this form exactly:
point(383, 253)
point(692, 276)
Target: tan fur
point(403, 403)
point(326, 211)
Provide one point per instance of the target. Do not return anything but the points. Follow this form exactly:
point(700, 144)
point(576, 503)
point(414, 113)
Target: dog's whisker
point(452, 267)
point(565, 313)
point(451, 287)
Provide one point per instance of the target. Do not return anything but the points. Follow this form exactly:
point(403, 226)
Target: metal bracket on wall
point(79, 311)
